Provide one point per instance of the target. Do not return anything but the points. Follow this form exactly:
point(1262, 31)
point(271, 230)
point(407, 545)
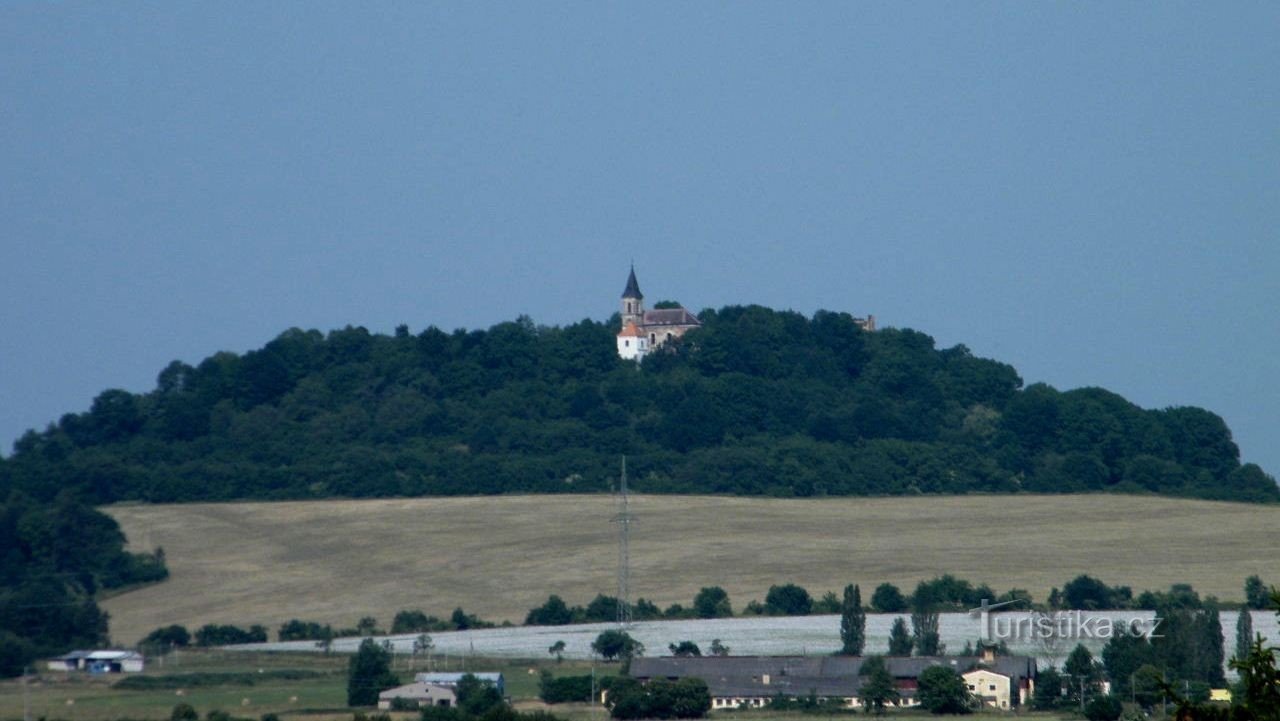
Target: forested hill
point(756, 402)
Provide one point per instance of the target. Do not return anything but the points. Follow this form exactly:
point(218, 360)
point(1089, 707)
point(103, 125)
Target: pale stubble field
point(498, 556)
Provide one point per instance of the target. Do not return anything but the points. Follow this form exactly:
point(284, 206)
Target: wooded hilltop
point(756, 402)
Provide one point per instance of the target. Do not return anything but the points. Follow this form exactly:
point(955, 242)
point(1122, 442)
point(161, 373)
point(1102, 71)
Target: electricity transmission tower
point(624, 519)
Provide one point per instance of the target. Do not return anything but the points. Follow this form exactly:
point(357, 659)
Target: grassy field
point(80, 697)
point(334, 561)
point(77, 697)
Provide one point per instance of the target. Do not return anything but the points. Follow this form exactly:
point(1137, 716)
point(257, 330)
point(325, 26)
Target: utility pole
point(624, 519)
point(26, 698)
point(593, 679)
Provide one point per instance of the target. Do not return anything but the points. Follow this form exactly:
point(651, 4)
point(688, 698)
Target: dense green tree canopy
point(54, 557)
point(369, 673)
point(943, 691)
point(756, 401)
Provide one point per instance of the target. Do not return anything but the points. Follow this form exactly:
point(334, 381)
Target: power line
point(624, 518)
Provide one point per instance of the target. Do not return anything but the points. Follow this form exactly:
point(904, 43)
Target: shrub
point(564, 689)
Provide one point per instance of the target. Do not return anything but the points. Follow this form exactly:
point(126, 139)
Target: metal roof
point(450, 678)
point(756, 676)
point(670, 316)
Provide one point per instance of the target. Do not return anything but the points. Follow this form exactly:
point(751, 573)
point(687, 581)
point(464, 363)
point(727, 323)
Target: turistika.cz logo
point(1077, 625)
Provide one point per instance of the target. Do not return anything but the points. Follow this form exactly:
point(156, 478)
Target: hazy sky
point(1089, 191)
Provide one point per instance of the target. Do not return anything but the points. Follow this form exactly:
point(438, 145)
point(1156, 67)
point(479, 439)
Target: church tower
point(632, 301)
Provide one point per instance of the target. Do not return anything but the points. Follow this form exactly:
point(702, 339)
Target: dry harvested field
point(334, 561)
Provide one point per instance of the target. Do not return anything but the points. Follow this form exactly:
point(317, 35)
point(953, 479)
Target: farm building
point(750, 681)
point(450, 680)
point(98, 662)
point(419, 694)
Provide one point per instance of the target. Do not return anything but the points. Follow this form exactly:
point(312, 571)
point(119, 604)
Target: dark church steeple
point(632, 301)
point(633, 288)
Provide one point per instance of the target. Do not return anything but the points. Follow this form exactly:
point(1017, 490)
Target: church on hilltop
point(644, 331)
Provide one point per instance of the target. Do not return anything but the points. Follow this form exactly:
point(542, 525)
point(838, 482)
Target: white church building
point(644, 331)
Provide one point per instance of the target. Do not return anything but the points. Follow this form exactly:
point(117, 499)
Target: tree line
point(756, 402)
point(945, 593)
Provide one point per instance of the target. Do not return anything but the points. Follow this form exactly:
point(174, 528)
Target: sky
point(1087, 191)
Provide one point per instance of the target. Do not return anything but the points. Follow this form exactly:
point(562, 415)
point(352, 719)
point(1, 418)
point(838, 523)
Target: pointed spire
point(633, 288)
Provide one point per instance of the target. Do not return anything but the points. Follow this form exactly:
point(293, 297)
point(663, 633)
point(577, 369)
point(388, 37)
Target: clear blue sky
point(1089, 191)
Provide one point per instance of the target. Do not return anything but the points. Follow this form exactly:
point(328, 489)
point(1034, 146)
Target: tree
point(829, 603)
point(414, 621)
point(1087, 593)
point(552, 613)
point(718, 649)
point(942, 690)
point(367, 626)
point(712, 602)
point(601, 609)
point(888, 599)
point(787, 600)
point(1124, 654)
point(853, 622)
point(1244, 633)
point(423, 645)
point(1189, 645)
point(613, 644)
point(1260, 680)
point(369, 673)
point(183, 712)
point(924, 632)
point(1148, 686)
point(477, 697)
point(659, 699)
point(900, 642)
point(878, 690)
point(684, 648)
point(557, 650)
point(1103, 708)
point(1255, 593)
point(1048, 690)
point(325, 642)
point(1082, 672)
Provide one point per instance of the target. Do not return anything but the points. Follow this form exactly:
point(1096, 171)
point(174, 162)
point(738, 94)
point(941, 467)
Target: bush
point(165, 638)
point(564, 689)
point(183, 712)
point(295, 630)
point(207, 679)
point(226, 635)
point(684, 648)
point(415, 621)
point(660, 699)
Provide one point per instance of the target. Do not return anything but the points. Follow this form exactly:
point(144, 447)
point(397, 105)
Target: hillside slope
point(755, 402)
point(334, 561)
